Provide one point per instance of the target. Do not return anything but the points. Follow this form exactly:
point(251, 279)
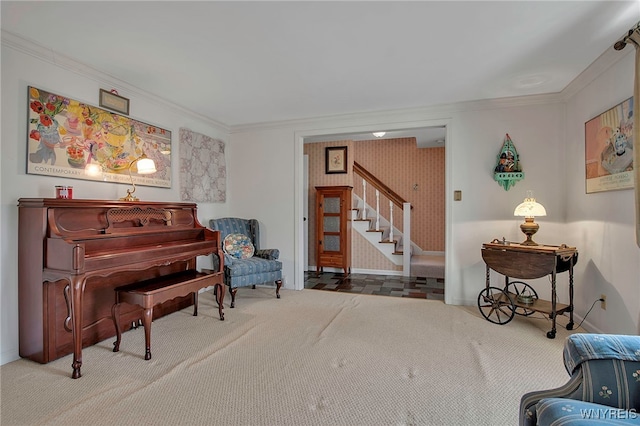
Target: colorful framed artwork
point(114, 102)
point(335, 160)
point(72, 139)
point(609, 149)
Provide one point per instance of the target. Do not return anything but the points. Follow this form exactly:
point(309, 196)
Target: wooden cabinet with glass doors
point(333, 227)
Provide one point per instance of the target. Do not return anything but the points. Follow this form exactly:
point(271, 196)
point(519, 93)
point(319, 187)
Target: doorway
point(355, 134)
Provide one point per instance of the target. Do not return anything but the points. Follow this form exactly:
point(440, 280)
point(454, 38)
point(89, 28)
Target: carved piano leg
point(77, 292)
point(146, 321)
point(115, 314)
point(233, 292)
point(278, 285)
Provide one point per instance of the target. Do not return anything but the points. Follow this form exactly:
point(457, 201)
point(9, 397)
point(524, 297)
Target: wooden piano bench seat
point(150, 293)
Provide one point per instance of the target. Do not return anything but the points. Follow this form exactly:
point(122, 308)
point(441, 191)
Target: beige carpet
point(310, 358)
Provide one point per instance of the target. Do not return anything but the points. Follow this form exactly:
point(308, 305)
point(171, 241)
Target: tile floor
point(385, 285)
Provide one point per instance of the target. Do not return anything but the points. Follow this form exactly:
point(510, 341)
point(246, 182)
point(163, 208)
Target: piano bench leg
point(195, 303)
point(146, 321)
point(218, 292)
point(115, 314)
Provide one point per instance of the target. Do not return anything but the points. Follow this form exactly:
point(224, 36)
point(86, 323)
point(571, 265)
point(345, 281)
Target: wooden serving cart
point(513, 260)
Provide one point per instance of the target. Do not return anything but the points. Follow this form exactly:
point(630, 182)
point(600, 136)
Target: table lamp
point(145, 166)
point(529, 208)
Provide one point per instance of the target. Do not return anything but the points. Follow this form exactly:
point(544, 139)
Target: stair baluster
point(377, 210)
point(364, 199)
point(390, 221)
point(403, 246)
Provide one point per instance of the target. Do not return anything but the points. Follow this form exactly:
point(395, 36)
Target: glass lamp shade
point(145, 166)
point(379, 134)
point(530, 208)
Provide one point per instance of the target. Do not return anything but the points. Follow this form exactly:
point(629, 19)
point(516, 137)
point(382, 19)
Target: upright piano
point(72, 254)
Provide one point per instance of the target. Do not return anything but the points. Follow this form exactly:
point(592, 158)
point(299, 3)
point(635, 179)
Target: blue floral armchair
point(604, 387)
point(245, 264)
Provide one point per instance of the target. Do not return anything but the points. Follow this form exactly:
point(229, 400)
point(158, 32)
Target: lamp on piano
point(145, 166)
point(529, 209)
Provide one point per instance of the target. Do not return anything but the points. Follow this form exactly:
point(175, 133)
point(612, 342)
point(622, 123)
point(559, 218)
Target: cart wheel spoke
point(517, 288)
point(496, 305)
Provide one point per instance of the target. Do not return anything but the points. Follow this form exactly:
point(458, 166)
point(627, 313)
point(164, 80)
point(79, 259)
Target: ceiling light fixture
point(379, 134)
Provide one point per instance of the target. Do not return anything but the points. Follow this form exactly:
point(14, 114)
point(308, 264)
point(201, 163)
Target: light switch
point(457, 195)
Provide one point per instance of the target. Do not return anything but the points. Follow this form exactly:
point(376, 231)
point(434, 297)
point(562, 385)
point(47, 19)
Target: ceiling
point(246, 62)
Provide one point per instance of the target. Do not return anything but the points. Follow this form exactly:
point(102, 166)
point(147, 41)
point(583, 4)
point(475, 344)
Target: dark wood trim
point(377, 184)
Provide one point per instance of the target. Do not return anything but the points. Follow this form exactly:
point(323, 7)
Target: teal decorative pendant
point(508, 170)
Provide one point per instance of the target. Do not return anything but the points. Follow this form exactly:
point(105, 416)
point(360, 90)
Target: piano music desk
point(150, 293)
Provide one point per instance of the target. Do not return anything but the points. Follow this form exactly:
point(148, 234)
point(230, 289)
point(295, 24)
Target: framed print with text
point(609, 149)
point(68, 138)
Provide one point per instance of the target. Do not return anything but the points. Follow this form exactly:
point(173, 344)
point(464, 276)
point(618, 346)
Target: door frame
point(299, 199)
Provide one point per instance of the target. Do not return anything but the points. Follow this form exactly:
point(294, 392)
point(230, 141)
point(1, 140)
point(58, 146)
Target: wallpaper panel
point(203, 170)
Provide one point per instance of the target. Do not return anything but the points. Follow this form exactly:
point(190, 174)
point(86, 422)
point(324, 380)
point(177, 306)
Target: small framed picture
point(114, 102)
point(335, 159)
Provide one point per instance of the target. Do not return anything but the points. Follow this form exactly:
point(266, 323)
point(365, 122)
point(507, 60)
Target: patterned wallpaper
point(203, 170)
point(401, 165)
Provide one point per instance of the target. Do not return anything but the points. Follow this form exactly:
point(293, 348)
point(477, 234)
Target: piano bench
point(150, 293)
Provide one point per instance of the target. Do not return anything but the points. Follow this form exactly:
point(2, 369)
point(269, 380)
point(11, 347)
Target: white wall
point(476, 132)
point(548, 132)
point(20, 70)
point(265, 181)
point(602, 224)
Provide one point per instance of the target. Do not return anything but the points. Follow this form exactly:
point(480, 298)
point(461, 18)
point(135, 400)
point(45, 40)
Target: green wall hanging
point(508, 171)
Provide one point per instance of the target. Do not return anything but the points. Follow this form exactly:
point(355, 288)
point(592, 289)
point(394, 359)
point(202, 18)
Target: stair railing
point(394, 199)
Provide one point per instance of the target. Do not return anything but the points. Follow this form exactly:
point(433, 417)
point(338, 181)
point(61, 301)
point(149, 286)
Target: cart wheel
point(551, 334)
point(496, 305)
point(570, 326)
point(518, 288)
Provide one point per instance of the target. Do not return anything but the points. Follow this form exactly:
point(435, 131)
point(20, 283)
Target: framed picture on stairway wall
point(335, 159)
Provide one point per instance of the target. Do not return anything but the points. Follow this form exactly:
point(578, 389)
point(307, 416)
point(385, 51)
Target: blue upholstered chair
point(245, 264)
point(604, 387)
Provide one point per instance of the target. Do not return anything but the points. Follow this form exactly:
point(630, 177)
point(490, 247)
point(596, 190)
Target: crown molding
point(605, 61)
point(399, 115)
point(43, 53)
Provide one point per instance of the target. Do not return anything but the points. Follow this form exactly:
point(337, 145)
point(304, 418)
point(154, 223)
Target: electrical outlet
point(603, 301)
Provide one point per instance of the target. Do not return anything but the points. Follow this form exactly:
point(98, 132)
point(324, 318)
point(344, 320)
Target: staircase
point(379, 238)
point(381, 233)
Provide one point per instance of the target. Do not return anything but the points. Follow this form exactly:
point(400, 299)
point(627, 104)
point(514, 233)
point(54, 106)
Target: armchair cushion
point(238, 246)
point(253, 265)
